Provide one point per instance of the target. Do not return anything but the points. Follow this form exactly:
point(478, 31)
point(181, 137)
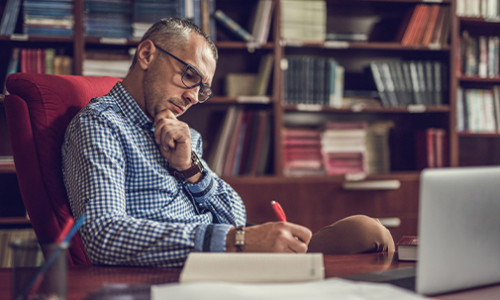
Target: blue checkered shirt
point(137, 213)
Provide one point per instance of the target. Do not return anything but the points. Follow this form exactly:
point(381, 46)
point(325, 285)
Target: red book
point(431, 24)
point(425, 149)
point(422, 23)
point(407, 247)
point(411, 30)
point(441, 147)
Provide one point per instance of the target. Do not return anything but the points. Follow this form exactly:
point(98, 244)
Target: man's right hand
point(272, 237)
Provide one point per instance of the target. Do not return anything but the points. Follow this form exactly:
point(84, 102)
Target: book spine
point(233, 26)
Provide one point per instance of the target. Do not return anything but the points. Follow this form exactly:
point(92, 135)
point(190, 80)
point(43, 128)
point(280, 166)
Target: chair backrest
point(38, 109)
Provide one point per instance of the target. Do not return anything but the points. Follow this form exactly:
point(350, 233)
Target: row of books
point(242, 146)
point(39, 60)
point(337, 148)
point(478, 110)
point(313, 80)
point(201, 12)
point(426, 25)
point(48, 17)
point(113, 19)
point(301, 149)
point(131, 19)
point(108, 18)
point(431, 148)
point(99, 62)
point(479, 55)
point(478, 8)
point(343, 146)
point(6, 237)
point(415, 82)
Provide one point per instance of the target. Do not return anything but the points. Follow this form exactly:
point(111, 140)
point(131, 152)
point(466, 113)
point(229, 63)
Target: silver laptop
point(459, 229)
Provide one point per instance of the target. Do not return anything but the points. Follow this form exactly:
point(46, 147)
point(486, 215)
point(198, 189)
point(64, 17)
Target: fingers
point(162, 122)
point(277, 237)
point(300, 232)
point(301, 237)
point(173, 138)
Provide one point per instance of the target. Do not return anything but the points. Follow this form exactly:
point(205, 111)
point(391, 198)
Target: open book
point(253, 267)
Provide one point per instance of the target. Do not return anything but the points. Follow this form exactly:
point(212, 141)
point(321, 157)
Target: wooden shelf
point(479, 21)
point(7, 167)
point(14, 221)
point(479, 135)
point(111, 41)
point(233, 100)
point(247, 180)
point(393, 110)
point(364, 46)
point(242, 45)
point(36, 39)
point(396, 1)
point(477, 79)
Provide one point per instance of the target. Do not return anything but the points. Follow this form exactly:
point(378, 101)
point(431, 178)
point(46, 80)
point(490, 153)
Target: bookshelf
point(354, 34)
point(477, 75)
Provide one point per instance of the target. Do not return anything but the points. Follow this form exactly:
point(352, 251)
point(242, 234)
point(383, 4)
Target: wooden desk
point(83, 281)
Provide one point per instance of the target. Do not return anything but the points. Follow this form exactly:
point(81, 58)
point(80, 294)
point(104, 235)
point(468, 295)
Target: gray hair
point(173, 32)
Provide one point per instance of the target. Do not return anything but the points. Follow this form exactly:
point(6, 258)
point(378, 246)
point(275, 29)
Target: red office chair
point(38, 110)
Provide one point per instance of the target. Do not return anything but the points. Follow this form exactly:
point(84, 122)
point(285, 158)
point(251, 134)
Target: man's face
point(163, 84)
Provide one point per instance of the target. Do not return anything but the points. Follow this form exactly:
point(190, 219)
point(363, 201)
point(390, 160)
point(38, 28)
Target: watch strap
point(239, 238)
point(196, 167)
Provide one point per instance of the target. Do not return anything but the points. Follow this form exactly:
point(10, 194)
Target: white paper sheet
point(333, 288)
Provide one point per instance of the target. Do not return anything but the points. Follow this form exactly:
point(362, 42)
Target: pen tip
point(272, 202)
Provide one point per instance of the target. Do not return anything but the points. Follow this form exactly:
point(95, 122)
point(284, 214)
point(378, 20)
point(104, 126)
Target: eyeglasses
point(191, 78)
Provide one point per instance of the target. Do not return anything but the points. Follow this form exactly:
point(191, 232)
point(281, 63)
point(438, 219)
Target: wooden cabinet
point(317, 202)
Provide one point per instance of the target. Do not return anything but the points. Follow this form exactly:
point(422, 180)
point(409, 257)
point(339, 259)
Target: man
point(136, 171)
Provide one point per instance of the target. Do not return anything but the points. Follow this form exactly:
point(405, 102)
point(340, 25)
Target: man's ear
point(145, 54)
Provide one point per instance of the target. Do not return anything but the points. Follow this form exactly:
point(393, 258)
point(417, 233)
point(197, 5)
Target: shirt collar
point(129, 106)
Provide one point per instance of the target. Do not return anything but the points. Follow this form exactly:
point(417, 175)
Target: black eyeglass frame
point(203, 86)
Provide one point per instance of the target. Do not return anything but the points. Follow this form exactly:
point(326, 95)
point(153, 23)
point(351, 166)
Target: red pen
point(64, 232)
point(278, 210)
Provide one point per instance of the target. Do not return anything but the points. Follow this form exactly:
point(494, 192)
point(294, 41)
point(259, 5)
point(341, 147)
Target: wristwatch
point(196, 167)
point(239, 238)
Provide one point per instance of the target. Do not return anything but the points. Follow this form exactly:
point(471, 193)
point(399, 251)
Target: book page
point(253, 267)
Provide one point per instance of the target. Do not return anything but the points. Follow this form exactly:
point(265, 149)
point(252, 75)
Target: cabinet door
point(317, 202)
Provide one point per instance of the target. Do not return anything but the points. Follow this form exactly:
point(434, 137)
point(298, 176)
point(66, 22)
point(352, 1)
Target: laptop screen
point(459, 229)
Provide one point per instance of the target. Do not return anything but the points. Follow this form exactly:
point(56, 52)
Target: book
point(264, 75)
point(425, 148)
point(240, 84)
point(262, 21)
point(217, 158)
point(379, 83)
point(233, 26)
point(431, 26)
point(260, 146)
point(407, 247)
point(252, 267)
point(9, 18)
